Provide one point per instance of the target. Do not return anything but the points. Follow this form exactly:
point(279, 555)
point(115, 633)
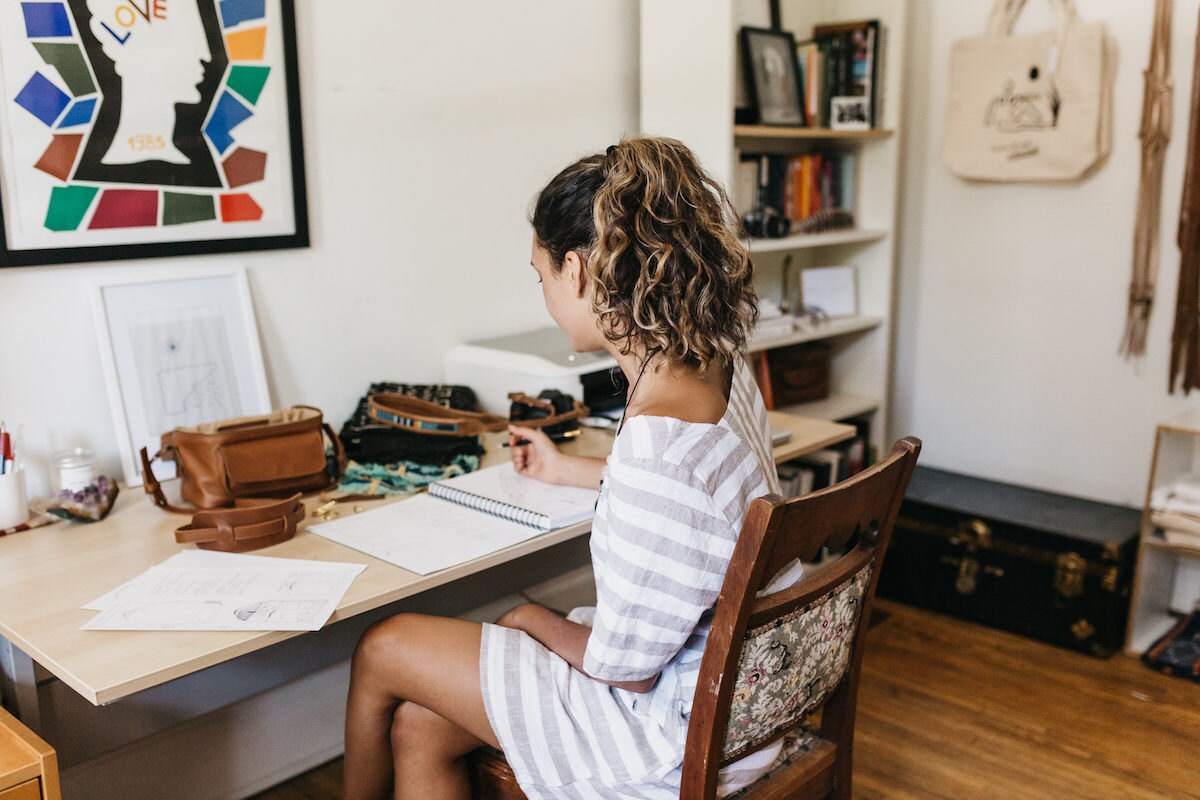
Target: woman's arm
point(566, 639)
point(539, 458)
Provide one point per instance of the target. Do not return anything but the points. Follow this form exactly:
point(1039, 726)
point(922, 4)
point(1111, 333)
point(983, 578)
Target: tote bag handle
point(1005, 13)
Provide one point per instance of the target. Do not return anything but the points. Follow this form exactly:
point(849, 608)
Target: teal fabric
point(405, 477)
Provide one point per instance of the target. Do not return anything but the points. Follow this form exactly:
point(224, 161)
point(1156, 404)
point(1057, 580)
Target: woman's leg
point(414, 683)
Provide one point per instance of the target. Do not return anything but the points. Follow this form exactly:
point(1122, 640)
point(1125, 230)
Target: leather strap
point(251, 524)
point(421, 416)
point(152, 486)
point(577, 411)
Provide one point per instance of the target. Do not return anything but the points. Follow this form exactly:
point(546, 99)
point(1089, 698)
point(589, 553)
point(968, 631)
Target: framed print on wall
point(147, 128)
point(177, 350)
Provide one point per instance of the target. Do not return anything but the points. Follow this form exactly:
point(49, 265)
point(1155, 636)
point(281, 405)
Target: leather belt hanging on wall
point(1154, 133)
point(1185, 337)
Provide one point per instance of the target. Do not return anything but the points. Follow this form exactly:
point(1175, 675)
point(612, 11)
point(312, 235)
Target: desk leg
point(19, 683)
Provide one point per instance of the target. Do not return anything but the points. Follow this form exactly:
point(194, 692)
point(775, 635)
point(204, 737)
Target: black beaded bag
point(370, 442)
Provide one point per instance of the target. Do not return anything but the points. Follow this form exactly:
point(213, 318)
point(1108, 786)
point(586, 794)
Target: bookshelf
point(801, 241)
point(1166, 584)
point(688, 89)
point(828, 329)
point(749, 133)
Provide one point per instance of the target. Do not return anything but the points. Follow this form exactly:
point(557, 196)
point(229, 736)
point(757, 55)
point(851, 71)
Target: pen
point(5, 450)
point(518, 443)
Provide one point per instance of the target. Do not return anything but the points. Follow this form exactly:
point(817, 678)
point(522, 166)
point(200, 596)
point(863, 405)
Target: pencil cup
point(13, 508)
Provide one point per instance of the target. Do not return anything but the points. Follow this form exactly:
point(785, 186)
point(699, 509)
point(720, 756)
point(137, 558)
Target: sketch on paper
point(194, 590)
point(184, 612)
point(185, 369)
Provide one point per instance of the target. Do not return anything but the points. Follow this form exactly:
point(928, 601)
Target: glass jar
point(74, 469)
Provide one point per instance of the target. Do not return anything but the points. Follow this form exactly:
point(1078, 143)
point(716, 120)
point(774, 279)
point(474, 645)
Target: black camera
point(765, 221)
point(556, 413)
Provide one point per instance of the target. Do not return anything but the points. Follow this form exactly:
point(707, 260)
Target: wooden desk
point(46, 576)
point(28, 767)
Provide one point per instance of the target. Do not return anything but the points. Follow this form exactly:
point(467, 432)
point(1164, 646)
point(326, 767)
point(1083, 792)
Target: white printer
point(532, 361)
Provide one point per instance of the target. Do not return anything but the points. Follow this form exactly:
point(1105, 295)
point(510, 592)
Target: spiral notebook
point(461, 519)
point(501, 492)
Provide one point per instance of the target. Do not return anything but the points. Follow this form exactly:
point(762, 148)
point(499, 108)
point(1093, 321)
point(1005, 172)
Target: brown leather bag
point(270, 455)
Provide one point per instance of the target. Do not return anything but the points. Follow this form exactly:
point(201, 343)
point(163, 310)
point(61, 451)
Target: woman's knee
point(381, 643)
point(513, 617)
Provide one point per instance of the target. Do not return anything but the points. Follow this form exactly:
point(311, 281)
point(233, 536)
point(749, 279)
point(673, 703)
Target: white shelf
point(1156, 542)
point(791, 132)
point(835, 407)
point(823, 330)
point(801, 241)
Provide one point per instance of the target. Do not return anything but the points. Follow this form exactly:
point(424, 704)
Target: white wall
point(428, 127)
point(1012, 298)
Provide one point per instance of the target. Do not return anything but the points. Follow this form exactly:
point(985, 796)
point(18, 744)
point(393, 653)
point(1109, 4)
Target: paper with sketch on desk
point(424, 534)
point(204, 591)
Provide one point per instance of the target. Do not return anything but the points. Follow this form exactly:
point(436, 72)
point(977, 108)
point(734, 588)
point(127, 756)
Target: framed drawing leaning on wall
point(178, 351)
point(148, 129)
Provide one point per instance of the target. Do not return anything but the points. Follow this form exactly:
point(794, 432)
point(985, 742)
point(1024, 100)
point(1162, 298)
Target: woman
point(637, 252)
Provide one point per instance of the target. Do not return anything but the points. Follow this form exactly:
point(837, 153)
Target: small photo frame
point(850, 113)
point(772, 76)
point(177, 350)
point(833, 291)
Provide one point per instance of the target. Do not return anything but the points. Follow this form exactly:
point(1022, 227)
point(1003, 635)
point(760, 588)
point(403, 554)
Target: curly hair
point(668, 269)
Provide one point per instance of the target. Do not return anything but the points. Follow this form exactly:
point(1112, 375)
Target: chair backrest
point(771, 661)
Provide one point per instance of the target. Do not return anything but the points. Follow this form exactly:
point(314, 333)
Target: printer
point(532, 361)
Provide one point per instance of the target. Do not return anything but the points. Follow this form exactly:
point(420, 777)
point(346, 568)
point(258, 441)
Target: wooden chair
point(771, 662)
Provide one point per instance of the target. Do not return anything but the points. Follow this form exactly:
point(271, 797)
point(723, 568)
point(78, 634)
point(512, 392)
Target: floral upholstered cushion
point(789, 667)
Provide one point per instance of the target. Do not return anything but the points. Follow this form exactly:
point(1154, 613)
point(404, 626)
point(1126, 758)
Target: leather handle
point(252, 524)
point(577, 411)
point(153, 487)
point(421, 416)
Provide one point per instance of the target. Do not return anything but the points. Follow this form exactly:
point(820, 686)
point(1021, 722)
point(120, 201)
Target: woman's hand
point(538, 458)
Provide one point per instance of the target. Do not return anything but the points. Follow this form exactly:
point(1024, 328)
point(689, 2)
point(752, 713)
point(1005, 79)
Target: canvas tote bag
point(1030, 108)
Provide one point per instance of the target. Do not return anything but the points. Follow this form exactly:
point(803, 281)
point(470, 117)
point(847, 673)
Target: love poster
point(137, 128)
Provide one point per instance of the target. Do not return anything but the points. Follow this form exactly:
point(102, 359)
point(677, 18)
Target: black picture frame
point(185, 246)
point(776, 100)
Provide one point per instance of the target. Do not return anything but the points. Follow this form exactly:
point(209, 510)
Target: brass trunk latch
point(1069, 572)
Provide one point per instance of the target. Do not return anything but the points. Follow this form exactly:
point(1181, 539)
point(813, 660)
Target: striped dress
point(670, 509)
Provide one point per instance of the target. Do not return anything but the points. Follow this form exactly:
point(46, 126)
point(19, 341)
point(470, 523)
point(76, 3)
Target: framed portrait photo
point(177, 351)
point(772, 76)
point(148, 128)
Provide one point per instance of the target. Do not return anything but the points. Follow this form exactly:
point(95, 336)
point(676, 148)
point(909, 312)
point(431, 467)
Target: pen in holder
point(13, 508)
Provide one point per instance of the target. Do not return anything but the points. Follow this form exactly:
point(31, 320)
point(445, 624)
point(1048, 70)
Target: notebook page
point(424, 534)
point(560, 505)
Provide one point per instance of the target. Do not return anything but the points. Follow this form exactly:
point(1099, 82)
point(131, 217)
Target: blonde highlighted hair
point(661, 241)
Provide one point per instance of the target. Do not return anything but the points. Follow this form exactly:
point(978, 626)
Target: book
point(856, 68)
point(501, 492)
point(1176, 538)
point(461, 519)
point(825, 466)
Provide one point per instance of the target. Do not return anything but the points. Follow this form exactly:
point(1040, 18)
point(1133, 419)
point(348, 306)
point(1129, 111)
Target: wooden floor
point(953, 710)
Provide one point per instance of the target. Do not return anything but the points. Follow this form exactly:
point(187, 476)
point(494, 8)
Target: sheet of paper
point(218, 594)
point(424, 534)
point(212, 558)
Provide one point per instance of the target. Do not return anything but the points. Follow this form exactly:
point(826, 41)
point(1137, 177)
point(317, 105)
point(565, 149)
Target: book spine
point(487, 505)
